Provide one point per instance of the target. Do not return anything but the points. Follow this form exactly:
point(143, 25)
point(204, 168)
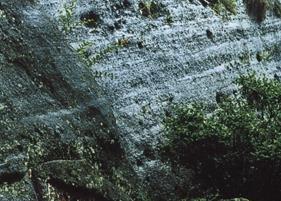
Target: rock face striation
point(67, 135)
point(182, 52)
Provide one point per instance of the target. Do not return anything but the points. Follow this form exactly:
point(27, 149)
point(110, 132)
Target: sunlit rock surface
point(186, 52)
point(54, 111)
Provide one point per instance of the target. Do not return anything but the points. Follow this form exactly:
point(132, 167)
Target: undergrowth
point(234, 150)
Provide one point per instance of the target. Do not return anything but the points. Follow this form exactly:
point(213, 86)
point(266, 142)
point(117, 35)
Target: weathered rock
point(187, 58)
point(52, 109)
point(80, 179)
point(188, 53)
point(13, 169)
point(234, 199)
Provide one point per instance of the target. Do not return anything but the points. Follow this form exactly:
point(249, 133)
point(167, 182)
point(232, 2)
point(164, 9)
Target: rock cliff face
point(58, 135)
point(181, 52)
point(56, 118)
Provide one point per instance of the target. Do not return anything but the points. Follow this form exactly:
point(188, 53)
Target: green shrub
point(236, 149)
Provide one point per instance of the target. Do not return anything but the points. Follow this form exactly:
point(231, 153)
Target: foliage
point(83, 52)
point(257, 9)
point(152, 9)
point(223, 6)
point(90, 19)
point(236, 149)
point(69, 23)
point(67, 18)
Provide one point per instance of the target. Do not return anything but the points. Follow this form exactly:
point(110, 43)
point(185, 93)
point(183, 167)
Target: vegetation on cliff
point(234, 150)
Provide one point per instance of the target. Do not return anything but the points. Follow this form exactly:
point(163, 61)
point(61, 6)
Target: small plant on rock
point(152, 9)
point(67, 18)
point(90, 60)
point(69, 21)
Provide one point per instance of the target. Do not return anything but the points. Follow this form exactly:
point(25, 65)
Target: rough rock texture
point(182, 52)
point(54, 112)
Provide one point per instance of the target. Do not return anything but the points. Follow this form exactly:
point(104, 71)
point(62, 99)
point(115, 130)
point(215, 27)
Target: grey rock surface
point(51, 109)
point(170, 61)
point(54, 111)
point(13, 168)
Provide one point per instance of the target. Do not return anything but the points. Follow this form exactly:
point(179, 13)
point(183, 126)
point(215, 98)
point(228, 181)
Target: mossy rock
point(225, 6)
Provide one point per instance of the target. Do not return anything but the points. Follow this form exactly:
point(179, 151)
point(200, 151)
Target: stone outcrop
point(183, 52)
point(55, 115)
point(180, 51)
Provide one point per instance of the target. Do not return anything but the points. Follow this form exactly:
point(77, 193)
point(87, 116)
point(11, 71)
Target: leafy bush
point(236, 149)
point(90, 60)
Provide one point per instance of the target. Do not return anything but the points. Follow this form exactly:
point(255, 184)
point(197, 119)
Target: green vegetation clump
point(67, 18)
point(234, 150)
point(90, 61)
point(224, 6)
point(256, 9)
point(69, 22)
point(152, 9)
